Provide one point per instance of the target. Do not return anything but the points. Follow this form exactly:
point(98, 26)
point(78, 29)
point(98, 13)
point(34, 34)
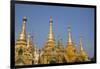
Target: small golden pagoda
point(70, 50)
point(49, 46)
point(30, 47)
point(22, 56)
point(83, 57)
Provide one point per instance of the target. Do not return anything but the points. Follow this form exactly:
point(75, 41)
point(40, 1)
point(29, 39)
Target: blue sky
point(81, 21)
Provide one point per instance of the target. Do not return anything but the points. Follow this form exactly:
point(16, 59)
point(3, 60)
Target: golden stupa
point(70, 50)
point(23, 55)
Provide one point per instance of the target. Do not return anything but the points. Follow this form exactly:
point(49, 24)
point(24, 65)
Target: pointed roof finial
point(69, 28)
point(24, 18)
point(81, 44)
point(22, 35)
point(69, 35)
point(24, 24)
point(51, 21)
point(50, 34)
point(50, 18)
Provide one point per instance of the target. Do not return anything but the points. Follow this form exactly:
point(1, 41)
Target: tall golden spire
point(69, 35)
point(50, 34)
point(81, 47)
point(70, 50)
point(83, 54)
point(81, 44)
point(22, 35)
point(49, 46)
